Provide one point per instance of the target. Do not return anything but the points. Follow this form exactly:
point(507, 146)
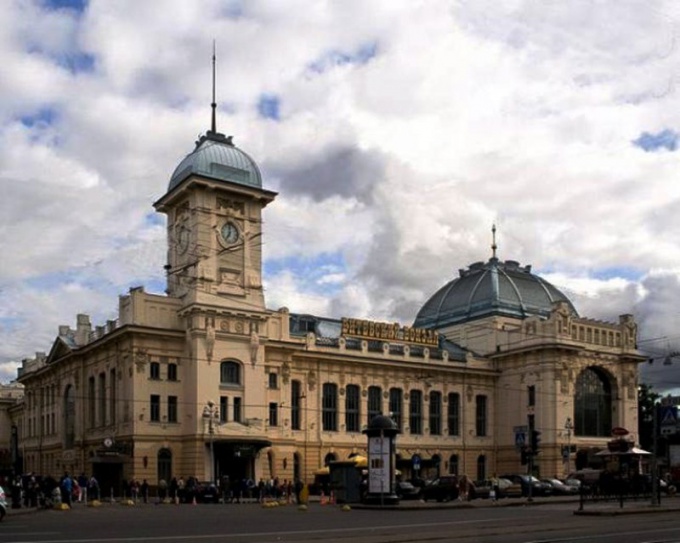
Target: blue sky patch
point(666, 139)
point(630, 274)
point(337, 57)
point(154, 219)
point(77, 62)
point(269, 106)
point(76, 5)
point(40, 119)
point(316, 270)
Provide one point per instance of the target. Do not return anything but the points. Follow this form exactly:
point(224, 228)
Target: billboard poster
point(378, 465)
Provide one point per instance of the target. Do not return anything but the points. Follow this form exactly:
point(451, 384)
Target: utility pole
point(210, 413)
point(530, 425)
point(655, 469)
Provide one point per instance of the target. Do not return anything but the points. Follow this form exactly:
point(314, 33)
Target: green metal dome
point(490, 288)
point(216, 157)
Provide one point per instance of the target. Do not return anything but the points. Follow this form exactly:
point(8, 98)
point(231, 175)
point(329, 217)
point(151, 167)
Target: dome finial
point(493, 243)
point(213, 105)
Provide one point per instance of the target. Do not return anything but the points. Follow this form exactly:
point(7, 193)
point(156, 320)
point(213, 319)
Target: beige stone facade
point(206, 381)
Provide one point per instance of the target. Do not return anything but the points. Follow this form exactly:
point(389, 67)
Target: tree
point(646, 400)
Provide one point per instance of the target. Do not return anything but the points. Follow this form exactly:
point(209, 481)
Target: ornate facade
point(207, 381)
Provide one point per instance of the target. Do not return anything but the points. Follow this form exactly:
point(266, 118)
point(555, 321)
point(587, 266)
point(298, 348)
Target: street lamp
point(568, 426)
point(211, 414)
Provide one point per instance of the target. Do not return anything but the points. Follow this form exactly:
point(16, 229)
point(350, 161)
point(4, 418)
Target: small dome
point(216, 157)
point(491, 288)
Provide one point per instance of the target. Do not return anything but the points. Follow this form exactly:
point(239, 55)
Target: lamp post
point(211, 414)
point(568, 426)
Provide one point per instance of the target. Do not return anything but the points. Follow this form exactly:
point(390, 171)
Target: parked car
point(505, 489)
point(3, 504)
point(559, 488)
point(207, 492)
point(444, 488)
point(573, 483)
point(529, 481)
point(407, 491)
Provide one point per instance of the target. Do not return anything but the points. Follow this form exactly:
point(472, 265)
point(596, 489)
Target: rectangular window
point(415, 412)
point(435, 413)
point(91, 405)
point(155, 370)
point(237, 409)
point(172, 372)
point(329, 407)
point(374, 403)
point(172, 409)
point(273, 380)
point(396, 410)
point(224, 408)
point(352, 408)
point(112, 396)
point(273, 414)
point(155, 408)
point(454, 414)
point(480, 415)
point(102, 399)
point(531, 392)
point(295, 401)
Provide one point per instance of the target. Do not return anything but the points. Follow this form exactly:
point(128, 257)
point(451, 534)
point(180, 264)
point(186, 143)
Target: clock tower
point(214, 207)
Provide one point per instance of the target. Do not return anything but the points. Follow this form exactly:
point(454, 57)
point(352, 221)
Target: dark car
point(407, 491)
point(529, 482)
point(207, 492)
point(3, 504)
point(442, 489)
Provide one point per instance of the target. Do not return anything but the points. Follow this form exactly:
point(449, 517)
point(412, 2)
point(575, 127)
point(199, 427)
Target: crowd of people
point(32, 490)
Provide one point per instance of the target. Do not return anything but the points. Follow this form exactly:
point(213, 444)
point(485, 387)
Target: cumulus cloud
point(395, 133)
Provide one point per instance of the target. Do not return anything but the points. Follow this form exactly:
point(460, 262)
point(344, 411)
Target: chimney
point(83, 329)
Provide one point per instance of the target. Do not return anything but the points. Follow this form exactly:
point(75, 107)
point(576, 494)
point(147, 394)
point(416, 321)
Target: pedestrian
point(93, 488)
point(82, 483)
point(174, 490)
point(493, 494)
point(66, 489)
point(162, 489)
point(463, 488)
point(145, 491)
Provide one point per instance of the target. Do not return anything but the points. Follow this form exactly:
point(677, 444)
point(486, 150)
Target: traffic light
point(535, 441)
point(525, 456)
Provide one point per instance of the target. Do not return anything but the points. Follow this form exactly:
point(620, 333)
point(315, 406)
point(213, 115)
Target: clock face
point(108, 442)
point(229, 232)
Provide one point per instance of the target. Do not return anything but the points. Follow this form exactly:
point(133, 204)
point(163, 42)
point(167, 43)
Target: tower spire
point(493, 242)
point(213, 105)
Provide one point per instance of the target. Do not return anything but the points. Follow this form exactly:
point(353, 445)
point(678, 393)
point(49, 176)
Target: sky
point(396, 132)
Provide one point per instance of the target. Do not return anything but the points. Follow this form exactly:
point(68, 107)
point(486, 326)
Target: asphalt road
point(544, 523)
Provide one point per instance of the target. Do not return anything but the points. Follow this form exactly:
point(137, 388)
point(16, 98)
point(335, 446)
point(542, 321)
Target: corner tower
point(214, 207)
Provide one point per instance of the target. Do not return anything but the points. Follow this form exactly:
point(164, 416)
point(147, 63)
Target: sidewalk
point(668, 505)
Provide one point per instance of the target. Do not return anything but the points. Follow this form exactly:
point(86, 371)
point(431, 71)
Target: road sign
point(415, 460)
point(668, 415)
point(520, 439)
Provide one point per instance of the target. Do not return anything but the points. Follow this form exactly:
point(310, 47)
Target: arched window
point(593, 404)
point(330, 457)
point(164, 465)
point(230, 373)
point(453, 464)
point(69, 418)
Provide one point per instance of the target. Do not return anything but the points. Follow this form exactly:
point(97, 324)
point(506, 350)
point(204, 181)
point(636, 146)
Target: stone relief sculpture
point(254, 347)
point(209, 339)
